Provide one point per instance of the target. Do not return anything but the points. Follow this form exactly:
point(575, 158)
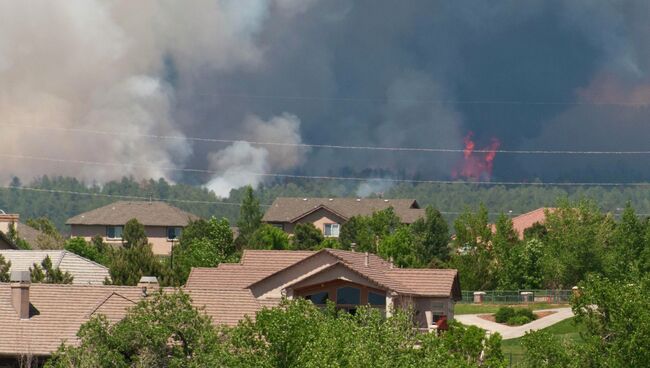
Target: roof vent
point(358, 199)
point(147, 282)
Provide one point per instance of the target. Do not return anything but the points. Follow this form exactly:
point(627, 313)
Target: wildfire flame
point(476, 165)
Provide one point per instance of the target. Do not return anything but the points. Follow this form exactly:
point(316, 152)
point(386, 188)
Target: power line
point(120, 196)
point(341, 178)
point(325, 146)
point(426, 101)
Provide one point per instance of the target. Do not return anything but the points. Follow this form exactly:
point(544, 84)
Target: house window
point(174, 233)
point(318, 298)
point(376, 299)
point(348, 296)
point(332, 230)
point(114, 232)
point(279, 226)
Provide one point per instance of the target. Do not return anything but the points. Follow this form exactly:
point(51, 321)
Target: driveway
point(513, 332)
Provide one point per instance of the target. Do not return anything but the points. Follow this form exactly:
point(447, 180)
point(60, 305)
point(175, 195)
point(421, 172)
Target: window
point(114, 232)
point(279, 226)
point(174, 233)
point(348, 296)
point(318, 298)
point(376, 299)
point(332, 230)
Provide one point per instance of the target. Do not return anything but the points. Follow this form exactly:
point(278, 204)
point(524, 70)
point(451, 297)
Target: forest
point(52, 197)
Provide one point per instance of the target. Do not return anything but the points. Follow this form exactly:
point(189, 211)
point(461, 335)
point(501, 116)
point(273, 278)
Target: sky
point(103, 89)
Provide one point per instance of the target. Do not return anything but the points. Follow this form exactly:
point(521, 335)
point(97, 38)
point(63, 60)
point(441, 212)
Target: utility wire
point(324, 146)
point(341, 178)
point(120, 196)
point(425, 101)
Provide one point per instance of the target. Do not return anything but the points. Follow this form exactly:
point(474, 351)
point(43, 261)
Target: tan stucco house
point(328, 214)
point(162, 222)
point(348, 279)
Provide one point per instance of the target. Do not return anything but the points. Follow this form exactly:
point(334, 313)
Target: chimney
point(367, 262)
point(353, 247)
point(20, 281)
point(147, 282)
point(6, 219)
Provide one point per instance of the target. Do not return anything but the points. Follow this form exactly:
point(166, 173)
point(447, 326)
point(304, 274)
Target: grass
point(565, 330)
point(492, 308)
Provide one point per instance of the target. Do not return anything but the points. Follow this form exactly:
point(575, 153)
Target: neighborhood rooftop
point(147, 213)
point(287, 209)
point(83, 271)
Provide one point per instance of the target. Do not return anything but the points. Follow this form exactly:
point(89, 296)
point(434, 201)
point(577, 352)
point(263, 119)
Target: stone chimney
point(20, 282)
point(6, 219)
point(147, 283)
point(367, 261)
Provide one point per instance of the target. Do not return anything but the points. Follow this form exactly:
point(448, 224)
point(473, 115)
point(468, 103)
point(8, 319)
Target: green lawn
point(492, 308)
point(566, 330)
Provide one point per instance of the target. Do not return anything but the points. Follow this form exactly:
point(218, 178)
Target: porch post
point(390, 303)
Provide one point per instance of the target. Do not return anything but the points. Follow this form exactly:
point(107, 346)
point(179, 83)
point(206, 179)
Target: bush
point(504, 314)
point(518, 320)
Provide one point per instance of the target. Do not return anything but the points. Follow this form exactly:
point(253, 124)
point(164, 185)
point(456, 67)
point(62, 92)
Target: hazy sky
point(543, 75)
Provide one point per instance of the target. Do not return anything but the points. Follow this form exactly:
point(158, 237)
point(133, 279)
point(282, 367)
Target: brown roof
point(31, 235)
point(147, 213)
point(62, 309)
point(292, 209)
point(258, 265)
point(524, 221)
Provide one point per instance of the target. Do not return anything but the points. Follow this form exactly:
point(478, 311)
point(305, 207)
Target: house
point(527, 220)
point(37, 318)
point(83, 271)
point(328, 214)
point(348, 279)
point(162, 222)
point(32, 236)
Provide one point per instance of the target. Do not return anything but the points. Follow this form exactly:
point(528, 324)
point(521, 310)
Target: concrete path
point(512, 332)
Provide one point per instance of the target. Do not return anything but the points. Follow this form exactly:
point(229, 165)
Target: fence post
point(479, 297)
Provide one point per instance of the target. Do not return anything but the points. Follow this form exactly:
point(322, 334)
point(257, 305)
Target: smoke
point(476, 165)
point(242, 164)
point(111, 66)
point(377, 187)
point(231, 69)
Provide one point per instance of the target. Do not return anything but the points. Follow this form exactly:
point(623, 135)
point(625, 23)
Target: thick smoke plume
point(230, 69)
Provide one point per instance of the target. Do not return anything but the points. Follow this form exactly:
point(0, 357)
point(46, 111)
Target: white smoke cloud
point(243, 164)
point(101, 65)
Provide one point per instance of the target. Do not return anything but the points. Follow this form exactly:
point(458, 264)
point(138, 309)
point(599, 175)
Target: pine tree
point(250, 216)
point(134, 234)
point(4, 269)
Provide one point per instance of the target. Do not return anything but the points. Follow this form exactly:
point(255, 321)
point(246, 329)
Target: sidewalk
point(513, 332)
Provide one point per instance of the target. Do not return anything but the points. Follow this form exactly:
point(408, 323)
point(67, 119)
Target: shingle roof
point(286, 209)
point(29, 234)
point(147, 213)
point(62, 309)
point(258, 265)
point(83, 270)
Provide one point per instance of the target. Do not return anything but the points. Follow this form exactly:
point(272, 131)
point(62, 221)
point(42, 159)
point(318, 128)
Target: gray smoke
point(345, 72)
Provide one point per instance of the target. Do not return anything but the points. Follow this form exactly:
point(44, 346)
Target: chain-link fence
point(516, 296)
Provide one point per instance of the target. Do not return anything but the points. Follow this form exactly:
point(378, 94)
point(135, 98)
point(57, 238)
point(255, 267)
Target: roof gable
point(147, 213)
point(285, 209)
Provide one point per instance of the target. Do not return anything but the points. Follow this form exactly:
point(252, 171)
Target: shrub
point(525, 312)
point(504, 314)
point(518, 320)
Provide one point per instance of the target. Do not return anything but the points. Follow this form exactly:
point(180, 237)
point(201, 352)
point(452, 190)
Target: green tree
point(628, 245)
point(507, 253)
point(474, 258)
point(128, 265)
point(269, 237)
point(357, 231)
point(13, 235)
point(203, 244)
point(5, 266)
point(163, 330)
point(250, 216)
point(400, 247)
point(306, 236)
point(48, 274)
point(543, 350)
point(431, 236)
point(87, 250)
point(134, 234)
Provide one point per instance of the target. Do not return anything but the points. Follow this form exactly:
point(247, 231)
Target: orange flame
point(476, 165)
